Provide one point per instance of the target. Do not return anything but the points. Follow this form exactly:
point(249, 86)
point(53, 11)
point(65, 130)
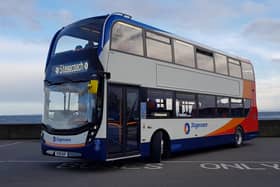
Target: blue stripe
point(90, 152)
point(251, 135)
point(197, 143)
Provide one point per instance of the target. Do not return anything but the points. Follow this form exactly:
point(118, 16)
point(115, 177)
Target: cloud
point(194, 14)
point(21, 75)
point(17, 12)
point(21, 88)
point(201, 15)
point(21, 108)
point(28, 15)
point(253, 8)
point(277, 60)
point(62, 16)
point(19, 51)
point(268, 91)
point(264, 30)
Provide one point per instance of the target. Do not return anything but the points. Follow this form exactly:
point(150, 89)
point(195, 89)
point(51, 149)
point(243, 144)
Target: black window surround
point(174, 104)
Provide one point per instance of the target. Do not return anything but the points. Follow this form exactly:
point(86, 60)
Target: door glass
point(132, 119)
point(115, 127)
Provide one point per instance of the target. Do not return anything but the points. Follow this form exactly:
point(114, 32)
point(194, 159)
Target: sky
point(246, 28)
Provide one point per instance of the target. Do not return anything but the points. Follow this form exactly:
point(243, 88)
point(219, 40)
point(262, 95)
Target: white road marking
point(32, 161)
point(217, 161)
point(164, 162)
point(10, 144)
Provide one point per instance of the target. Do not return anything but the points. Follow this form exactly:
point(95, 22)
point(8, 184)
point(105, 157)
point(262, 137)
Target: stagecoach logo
point(188, 127)
point(71, 68)
point(58, 139)
point(199, 125)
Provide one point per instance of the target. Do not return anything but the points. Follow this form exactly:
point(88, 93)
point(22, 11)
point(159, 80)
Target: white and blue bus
point(116, 88)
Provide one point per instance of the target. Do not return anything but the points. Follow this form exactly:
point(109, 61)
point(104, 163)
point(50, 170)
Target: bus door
point(123, 120)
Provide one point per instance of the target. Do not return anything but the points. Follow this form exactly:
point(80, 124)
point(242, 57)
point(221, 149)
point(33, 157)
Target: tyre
point(238, 137)
point(156, 147)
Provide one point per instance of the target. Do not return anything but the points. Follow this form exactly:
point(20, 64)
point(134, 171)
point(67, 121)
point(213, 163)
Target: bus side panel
point(189, 128)
point(192, 143)
point(202, 142)
point(189, 134)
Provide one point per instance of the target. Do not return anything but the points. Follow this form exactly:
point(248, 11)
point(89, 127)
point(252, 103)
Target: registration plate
point(61, 153)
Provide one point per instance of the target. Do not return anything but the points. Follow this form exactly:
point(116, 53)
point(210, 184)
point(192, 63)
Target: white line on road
point(10, 144)
point(216, 161)
point(164, 162)
point(33, 161)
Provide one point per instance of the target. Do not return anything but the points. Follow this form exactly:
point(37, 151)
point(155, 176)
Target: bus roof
point(128, 19)
point(112, 18)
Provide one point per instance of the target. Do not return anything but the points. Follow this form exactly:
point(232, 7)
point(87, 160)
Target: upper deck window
point(205, 60)
point(184, 53)
point(221, 64)
point(158, 47)
point(247, 71)
point(79, 36)
point(69, 43)
point(127, 38)
point(234, 68)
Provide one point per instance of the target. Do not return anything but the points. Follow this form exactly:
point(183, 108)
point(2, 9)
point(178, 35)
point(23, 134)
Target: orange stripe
point(132, 123)
point(232, 124)
point(247, 89)
point(114, 124)
point(118, 124)
point(65, 145)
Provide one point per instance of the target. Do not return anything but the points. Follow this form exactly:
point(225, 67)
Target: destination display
point(76, 67)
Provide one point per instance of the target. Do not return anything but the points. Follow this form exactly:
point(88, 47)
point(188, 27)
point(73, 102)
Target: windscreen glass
point(68, 105)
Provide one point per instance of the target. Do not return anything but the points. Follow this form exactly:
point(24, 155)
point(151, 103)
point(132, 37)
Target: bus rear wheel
point(238, 137)
point(156, 147)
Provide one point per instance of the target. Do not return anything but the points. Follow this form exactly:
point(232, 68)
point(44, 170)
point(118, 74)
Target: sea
point(36, 119)
point(20, 119)
point(269, 116)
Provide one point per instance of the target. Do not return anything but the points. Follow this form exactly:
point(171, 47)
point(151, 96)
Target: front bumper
point(95, 151)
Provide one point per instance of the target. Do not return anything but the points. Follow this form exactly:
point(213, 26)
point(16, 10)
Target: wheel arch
point(164, 134)
point(241, 128)
point(166, 138)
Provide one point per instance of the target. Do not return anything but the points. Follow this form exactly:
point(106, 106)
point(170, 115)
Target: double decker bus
point(116, 88)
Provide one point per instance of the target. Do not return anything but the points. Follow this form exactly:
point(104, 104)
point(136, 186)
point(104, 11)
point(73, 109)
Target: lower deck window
point(173, 104)
point(206, 106)
point(159, 104)
point(223, 108)
point(247, 105)
point(236, 107)
point(185, 105)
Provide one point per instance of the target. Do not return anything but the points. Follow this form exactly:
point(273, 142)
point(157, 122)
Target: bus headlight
point(91, 134)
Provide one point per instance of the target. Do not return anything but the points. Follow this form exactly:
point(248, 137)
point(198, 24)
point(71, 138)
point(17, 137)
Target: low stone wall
point(20, 131)
point(268, 128)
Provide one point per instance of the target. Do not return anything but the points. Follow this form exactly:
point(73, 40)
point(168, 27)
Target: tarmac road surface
point(257, 163)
